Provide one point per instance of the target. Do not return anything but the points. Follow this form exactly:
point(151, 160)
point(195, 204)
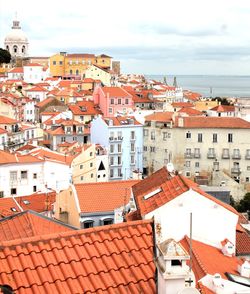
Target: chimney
point(172, 268)
point(244, 269)
point(228, 248)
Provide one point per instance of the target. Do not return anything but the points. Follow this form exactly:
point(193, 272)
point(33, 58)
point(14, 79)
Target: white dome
point(16, 35)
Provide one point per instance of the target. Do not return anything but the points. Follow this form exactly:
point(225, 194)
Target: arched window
point(77, 72)
point(88, 224)
point(15, 49)
point(23, 49)
point(71, 72)
point(8, 48)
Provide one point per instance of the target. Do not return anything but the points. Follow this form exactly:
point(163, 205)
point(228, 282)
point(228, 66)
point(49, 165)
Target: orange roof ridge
point(48, 237)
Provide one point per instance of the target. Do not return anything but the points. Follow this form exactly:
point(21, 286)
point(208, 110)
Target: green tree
point(223, 101)
point(5, 56)
point(244, 204)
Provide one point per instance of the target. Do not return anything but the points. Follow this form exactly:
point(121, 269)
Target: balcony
point(225, 156)
point(236, 156)
point(197, 155)
point(235, 170)
point(188, 155)
point(247, 156)
point(211, 155)
point(115, 139)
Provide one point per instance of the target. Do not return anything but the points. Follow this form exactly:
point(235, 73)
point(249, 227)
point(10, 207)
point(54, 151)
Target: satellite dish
point(170, 167)
point(189, 290)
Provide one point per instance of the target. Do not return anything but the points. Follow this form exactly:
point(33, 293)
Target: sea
point(210, 85)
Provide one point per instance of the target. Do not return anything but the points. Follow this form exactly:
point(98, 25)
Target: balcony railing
point(197, 155)
point(211, 155)
point(188, 155)
point(115, 138)
point(236, 156)
point(247, 156)
point(225, 156)
point(235, 170)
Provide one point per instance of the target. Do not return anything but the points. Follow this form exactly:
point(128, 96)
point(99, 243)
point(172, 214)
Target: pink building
point(113, 101)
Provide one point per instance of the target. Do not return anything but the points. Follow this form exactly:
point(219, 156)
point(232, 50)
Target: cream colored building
point(197, 146)
point(97, 73)
point(84, 165)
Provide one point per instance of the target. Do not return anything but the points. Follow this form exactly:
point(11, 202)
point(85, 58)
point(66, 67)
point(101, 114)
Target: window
point(119, 172)
point(13, 191)
point(188, 174)
point(132, 159)
point(119, 146)
point(34, 188)
point(112, 101)
point(152, 149)
point(188, 151)
point(62, 139)
point(119, 101)
point(92, 175)
point(175, 262)
point(152, 135)
point(119, 160)
point(188, 135)
point(54, 62)
point(119, 135)
point(91, 154)
point(215, 138)
point(1, 194)
point(126, 101)
point(230, 138)
point(197, 164)
point(132, 147)
point(79, 129)
point(81, 166)
point(199, 137)
point(247, 180)
point(111, 173)
point(24, 174)
point(108, 221)
point(165, 136)
point(187, 164)
point(132, 136)
point(88, 224)
point(82, 178)
point(145, 133)
point(91, 164)
point(145, 148)
point(110, 110)
point(60, 62)
point(111, 160)
point(34, 176)
point(13, 176)
point(112, 148)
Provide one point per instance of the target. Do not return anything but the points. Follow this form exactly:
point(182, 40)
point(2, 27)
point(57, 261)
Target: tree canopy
point(5, 56)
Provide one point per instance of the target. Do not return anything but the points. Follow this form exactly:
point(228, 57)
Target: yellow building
point(204, 105)
point(96, 72)
point(75, 65)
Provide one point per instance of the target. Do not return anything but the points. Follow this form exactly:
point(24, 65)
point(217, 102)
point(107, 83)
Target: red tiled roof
point(122, 121)
point(190, 111)
point(115, 92)
point(48, 154)
point(8, 206)
point(7, 121)
point(2, 131)
point(84, 108)
point(104, 196)
point(171, 187)
point(223, 108)
point(16, 70)
point(214, 122)
point(6, 158)
point(37, 89)
point(242, 243)
point(110, 259)
point(44, 102)
point(83, 55)
point(39, 202)
point(33, 64)
point(88, 80)
point(160, 116)
point(209, 260)
point(29, 224)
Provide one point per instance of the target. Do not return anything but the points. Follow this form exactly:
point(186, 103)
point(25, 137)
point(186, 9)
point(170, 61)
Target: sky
point(148, 37)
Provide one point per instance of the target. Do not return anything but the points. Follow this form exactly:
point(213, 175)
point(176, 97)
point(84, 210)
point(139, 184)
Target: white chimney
point(244, 269)
point(228, 248)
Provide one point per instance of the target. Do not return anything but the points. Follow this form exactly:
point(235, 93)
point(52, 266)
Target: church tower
point(16, 42)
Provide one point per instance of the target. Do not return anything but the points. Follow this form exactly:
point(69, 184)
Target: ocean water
point(210, 85)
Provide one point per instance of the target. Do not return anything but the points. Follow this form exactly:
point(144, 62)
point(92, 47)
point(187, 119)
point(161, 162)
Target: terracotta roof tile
point(8, 206)
point(182, 104)
point(242, 243)
point(28, 224)
point(160, 116)
point(16, 70)
point(203, 263)
point(122, 120)
point(191, 111)
point(214, 122)
point(48, 154)
point(37, 89)
point(39, 202)
point(7, 121)
point(6, 158)
point(224, 108)
point(115, 92)
point(110, 259)
point(105, 196)
point(84, 108)
point(170, 187)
